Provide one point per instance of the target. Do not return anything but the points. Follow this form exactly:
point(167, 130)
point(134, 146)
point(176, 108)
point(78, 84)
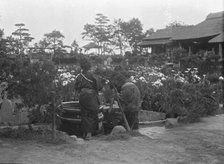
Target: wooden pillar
point(180, 45)
point(189, 51)
point(213, 49)
point(152, 49)
point(220, 50)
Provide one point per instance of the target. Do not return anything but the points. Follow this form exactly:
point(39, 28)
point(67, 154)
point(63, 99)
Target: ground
point(194, 143)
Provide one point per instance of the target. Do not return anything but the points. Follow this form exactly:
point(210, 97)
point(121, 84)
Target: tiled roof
point(218, 39)
point(212, 26)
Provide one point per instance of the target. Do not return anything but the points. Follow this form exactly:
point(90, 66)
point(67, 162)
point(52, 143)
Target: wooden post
point(220, 51)
point(54, 117)
point(180, 45)
point(189, 51)
point(213, 49)
point(123, 115)
point(122, 111)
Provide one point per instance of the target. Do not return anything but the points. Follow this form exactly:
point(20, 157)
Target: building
point(161, 40)
point(207, 35)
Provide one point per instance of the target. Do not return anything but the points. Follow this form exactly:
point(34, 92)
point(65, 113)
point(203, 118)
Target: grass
point(39, 135)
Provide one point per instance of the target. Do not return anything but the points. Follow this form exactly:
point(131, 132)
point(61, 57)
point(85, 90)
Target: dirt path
point(195, 143)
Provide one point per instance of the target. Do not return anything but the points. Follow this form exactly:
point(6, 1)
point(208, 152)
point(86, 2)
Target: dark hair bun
point(85, 64)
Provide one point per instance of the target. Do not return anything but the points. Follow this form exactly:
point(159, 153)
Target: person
point(87, 85)
point(130, 101)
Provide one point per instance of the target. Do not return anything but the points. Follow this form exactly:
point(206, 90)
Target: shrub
point(31, 82)
point(117, 59)
point(69, 60)
point(96, 60)
point(177, 54)
point(157, 59)
point(176, 98)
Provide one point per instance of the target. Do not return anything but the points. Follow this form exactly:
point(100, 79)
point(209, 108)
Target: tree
point(12, 46)
point(133, 32)
point(74, 46)
point(41, 46)
point(2, 44)
point(22, 38)
point(175, 24)
point(1, 33)
point(119, 40)
point(99, 33)
point(54, 40)
point(149, 32)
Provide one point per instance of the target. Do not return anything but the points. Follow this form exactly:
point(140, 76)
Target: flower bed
point(163, 89)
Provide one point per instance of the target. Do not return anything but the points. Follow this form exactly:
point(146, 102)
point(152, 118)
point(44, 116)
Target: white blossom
point(65, 83)
point(221, 78)
point(157, 83)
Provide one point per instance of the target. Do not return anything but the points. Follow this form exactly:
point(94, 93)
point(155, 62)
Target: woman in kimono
point(87, 85)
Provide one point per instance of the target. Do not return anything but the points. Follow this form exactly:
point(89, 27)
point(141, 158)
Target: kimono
point(130, 100)
point(88, 86)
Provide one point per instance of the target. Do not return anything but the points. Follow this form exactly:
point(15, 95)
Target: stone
point(171, 123)
point(145, 115)
point(6, 112)
point(182, 119)
point(21, 116)
point(74, 137)
point(118, 129)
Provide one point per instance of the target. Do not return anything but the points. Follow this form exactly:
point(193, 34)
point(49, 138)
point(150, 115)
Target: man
point(130, 101)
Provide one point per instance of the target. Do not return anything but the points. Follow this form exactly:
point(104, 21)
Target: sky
point(70, 16)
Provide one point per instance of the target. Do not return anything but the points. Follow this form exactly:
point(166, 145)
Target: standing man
point(130, 101)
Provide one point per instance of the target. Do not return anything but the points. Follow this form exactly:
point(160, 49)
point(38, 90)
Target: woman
point(87, 85)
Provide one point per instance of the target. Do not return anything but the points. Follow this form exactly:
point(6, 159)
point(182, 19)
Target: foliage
point(33, 83)
point(157, 59)
point(65, 81)
point(99, 32)
point(177, 94)
point(21, 38)
point(40, 134)
point(175, 24)
point(138, 60)
point(118, 36)
point(75, 46)
point(63, 60)
point(117, 59)
point(181, 99)
point(2, 44)
point(149, 32)
point(132, 30)
point(54, 40)
point(206, 64)
point(97, 59)
point(177, 54)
